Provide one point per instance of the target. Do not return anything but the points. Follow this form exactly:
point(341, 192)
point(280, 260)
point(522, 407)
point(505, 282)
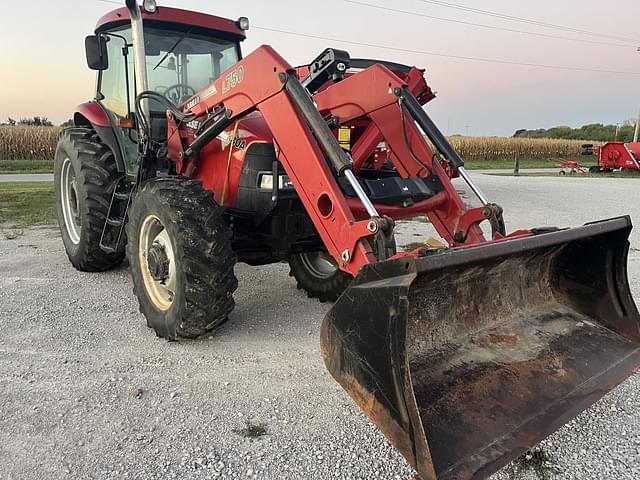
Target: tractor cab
point(183, 53)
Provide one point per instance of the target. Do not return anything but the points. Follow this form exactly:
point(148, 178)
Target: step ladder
point(111, 240)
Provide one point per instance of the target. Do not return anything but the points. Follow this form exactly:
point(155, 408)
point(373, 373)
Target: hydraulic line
point(226, 177)
point(438, 139)
point(340, 159)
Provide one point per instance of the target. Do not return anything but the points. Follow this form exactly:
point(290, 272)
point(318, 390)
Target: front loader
point(191, 157)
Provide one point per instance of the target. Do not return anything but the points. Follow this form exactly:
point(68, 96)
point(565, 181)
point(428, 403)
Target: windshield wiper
point(175, 45)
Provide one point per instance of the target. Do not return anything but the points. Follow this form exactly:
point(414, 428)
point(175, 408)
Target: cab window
point(179, 64)
point(113, 82)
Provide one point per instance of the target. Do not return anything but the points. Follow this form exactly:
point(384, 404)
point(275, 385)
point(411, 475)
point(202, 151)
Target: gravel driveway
point(88, 392)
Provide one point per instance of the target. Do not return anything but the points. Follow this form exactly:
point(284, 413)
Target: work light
point(150, 6)
point(243, 23)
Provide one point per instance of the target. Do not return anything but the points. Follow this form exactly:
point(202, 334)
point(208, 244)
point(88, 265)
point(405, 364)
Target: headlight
point(243, 23)
point(266, 182)
point(150, 6)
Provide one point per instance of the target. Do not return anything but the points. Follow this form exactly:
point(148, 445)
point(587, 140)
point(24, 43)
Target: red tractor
point(192, 157)
point(621, 156)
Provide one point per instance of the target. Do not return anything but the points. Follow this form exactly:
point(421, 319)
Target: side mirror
point(96, 48)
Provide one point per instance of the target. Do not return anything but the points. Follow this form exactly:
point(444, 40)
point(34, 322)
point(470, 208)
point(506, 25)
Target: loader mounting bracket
point(473, 218)
point(332, 64)
point(384, 243)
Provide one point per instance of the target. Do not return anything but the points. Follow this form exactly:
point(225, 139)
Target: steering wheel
point(182, 92)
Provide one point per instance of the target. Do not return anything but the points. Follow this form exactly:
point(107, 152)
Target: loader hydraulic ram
point(464, 353)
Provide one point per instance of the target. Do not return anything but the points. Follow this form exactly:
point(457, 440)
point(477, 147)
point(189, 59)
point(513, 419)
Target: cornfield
point(28, 143)
point(474, 149)
point(39, 143)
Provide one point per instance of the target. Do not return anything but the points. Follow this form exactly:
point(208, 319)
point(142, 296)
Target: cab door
point(116, 93)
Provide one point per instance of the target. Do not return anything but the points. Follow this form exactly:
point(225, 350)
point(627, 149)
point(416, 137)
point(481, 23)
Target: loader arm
point(260, 82)
point(313, 159)
point(419, 88)
point(370, 94)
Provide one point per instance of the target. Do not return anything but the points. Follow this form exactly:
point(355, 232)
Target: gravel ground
point(87, 390)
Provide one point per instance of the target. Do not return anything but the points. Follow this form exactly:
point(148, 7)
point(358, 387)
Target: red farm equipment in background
point(570, 167)
point(615, 156)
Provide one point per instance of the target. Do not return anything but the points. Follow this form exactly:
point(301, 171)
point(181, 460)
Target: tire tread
point(99, 173)
point(207, 259)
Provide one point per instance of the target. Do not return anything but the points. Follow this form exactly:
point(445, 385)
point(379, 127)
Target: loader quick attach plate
point(467, 358)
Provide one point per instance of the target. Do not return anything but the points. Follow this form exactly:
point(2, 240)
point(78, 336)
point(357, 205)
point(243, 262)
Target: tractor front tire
point(318, 275)
point(85, 175)
point(180, 256)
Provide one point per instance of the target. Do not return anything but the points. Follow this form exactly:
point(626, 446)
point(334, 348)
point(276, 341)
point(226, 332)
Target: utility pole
point(467, 127)
point(635, 135)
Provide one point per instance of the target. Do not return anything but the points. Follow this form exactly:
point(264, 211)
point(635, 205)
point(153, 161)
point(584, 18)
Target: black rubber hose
point(430, 129)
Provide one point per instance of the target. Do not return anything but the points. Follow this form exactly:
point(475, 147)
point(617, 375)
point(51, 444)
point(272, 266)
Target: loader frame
point(307, 148)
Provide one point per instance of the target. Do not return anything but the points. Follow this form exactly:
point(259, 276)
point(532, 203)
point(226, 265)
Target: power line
point(497, 15)
point(445, 55)
point(482, 25)
point(526, 20)
point(434, 54)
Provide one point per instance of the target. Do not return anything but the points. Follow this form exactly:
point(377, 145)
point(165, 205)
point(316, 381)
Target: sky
point(43, 69)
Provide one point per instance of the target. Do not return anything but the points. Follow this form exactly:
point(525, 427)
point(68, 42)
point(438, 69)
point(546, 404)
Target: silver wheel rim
point(70, 201)
point(320, 264)
point(161, 292)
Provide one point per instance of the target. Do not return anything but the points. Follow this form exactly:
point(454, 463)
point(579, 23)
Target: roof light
point(243, 23)
point(150, 6)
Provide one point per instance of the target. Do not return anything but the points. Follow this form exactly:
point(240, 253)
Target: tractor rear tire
point(180, 256)
point(317, 274)
point(85, 174)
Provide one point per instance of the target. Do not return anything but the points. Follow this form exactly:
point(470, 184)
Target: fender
point(92, 114)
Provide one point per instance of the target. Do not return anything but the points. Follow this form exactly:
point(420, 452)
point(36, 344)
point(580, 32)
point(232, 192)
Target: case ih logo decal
point(240, 143)
point(232, 80)
point(192, 103)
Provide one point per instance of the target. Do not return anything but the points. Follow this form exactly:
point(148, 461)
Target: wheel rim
point(70, 201)
point(157, 262)
point(320, 264)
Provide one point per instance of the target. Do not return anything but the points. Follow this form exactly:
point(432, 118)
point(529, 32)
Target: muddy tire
point(85, 175)
point(180, 257)
point(317, 274)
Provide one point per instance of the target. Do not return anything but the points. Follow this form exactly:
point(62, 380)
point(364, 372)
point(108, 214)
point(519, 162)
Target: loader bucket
point(466, 358)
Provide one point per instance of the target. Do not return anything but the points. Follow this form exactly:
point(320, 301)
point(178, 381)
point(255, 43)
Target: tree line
point(36, 121)
point(592, 132)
